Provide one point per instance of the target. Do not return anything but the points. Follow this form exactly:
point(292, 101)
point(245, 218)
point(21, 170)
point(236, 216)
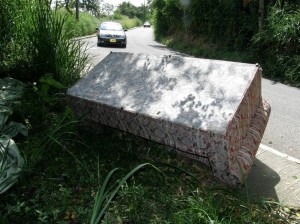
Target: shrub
point(278, 44)
point(85, 26)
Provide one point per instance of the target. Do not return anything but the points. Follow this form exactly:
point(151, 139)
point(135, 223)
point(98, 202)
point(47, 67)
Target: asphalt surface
point(276, 172)
point(283, 130)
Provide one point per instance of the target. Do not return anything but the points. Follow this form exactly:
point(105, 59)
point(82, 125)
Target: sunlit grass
point(129, 23)
point(201, 47)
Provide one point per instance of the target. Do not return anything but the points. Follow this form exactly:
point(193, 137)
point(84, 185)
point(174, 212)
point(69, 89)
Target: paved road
point(283, 130)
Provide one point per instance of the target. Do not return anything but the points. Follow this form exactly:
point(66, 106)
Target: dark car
point(111, 33)
point(147, 24)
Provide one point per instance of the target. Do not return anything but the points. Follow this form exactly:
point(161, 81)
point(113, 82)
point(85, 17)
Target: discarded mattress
point(208, 110)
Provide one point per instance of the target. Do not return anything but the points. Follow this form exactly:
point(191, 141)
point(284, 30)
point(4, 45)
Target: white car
point(147, 24)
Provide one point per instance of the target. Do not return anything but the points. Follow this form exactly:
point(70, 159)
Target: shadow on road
point(163, 47)
point(262, 181)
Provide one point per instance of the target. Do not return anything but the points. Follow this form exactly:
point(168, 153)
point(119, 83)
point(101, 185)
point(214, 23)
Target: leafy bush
point(167, 17)
point(14, 40)
point(85, 26)
point(36, 44)
point(128, 23)
point(229, 22)
point(278, 44)
point(107, 193)
point(224, 21)
point(52, 51)
point(116, 16)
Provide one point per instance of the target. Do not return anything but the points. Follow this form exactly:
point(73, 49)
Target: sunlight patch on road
point(276, 152)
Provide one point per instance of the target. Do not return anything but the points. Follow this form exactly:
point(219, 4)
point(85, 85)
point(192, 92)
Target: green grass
point(201, 47)
point(62, 186)
point(85, 26)
point(129, 23)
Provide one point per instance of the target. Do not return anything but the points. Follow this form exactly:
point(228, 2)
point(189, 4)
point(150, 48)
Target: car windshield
point(111, 26)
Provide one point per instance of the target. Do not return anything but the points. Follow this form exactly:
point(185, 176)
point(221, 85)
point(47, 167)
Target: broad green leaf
point(14, 128)
point(5, 112)
point(10, 89)
point(48, 79)
point(11, 163)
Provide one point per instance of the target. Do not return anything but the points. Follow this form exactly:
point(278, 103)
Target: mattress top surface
point(199, 93)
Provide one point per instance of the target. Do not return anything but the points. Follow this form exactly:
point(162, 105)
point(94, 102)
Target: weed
point(106, 194)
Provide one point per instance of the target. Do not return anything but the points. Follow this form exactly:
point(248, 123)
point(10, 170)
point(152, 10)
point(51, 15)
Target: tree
point(92, 6)
point(261, 14)
point(107, 8)
point(261, 9)
point(126, 8)
point(77, 9)
point(167, 16)
point(67, 6)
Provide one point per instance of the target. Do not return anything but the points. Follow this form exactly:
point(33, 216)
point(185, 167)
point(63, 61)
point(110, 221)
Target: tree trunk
point(67, 6)
point(77, 10)
point(261, 15)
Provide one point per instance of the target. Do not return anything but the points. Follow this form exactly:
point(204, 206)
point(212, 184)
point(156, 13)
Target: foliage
point(13, 39)
point(52, 52)
point(167, 17)
point(127, 9)
point(11, 162)
point(126, 22)
point(85, 26)
point(62, 188)
point(279, 41)
point(47, 81)
point(105, 195)
point(203, 48)
point(88, 6)
point(229, 22)
point(92, 6)
point(107, 9)
point(37, 45)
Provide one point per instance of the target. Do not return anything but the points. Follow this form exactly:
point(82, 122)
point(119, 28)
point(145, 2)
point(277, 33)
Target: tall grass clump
point(85, 26)
point(127, 22)
point(108, 192)
point(14, 27)
point(52, 51)
point(130, 23)
point(278, 44)
point(33, 43)
point(167, 17)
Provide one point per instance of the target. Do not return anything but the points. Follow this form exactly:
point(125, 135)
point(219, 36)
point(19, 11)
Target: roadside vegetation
point(54, 170)
point(235, 30)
